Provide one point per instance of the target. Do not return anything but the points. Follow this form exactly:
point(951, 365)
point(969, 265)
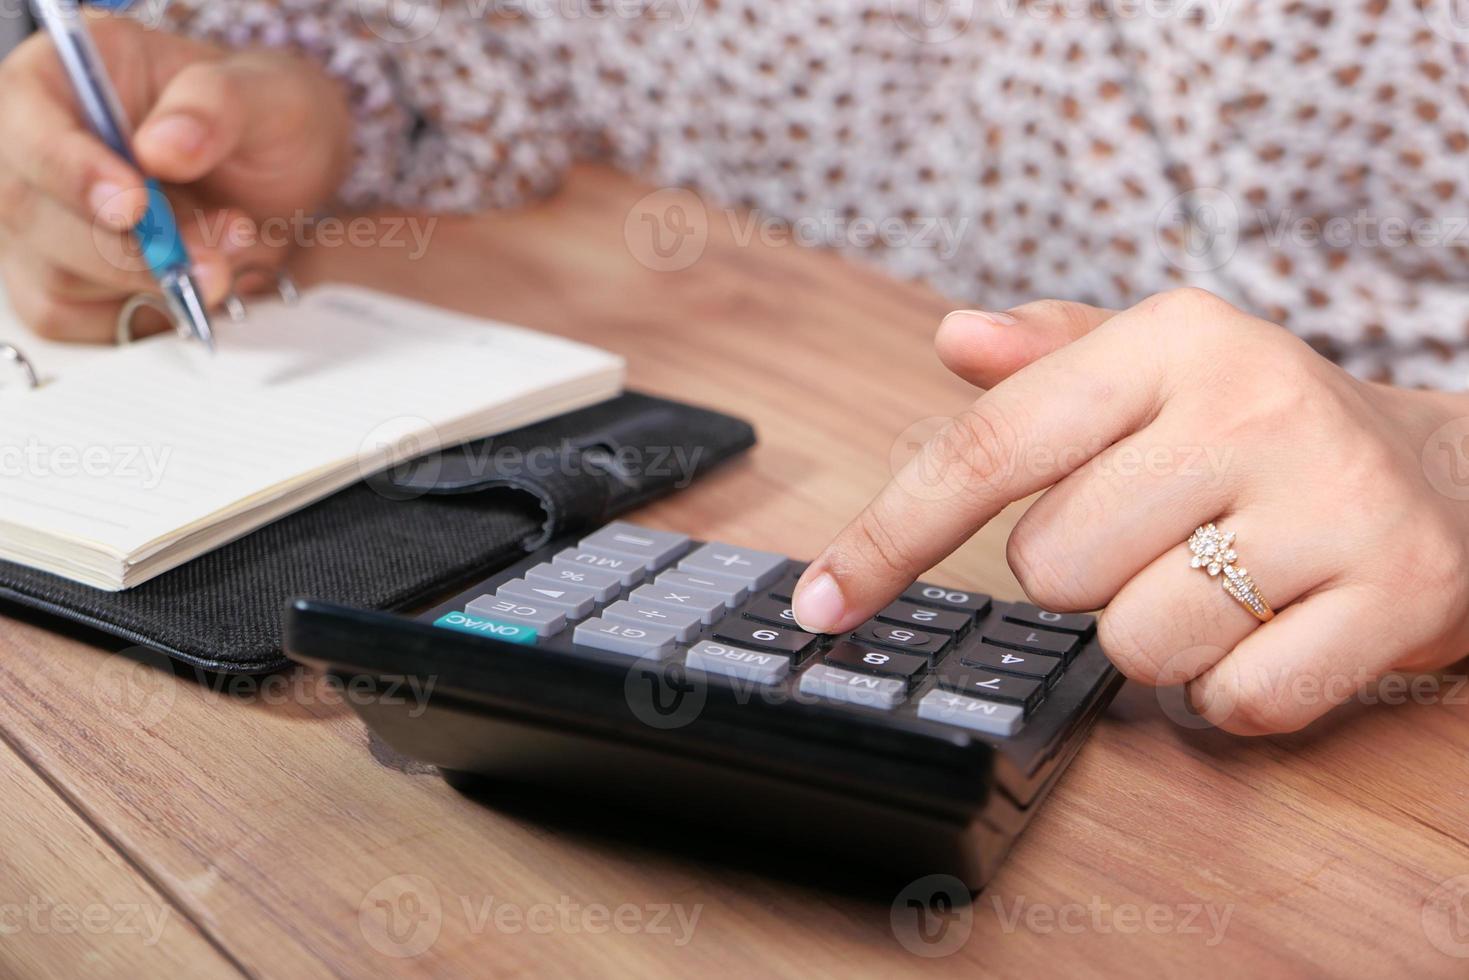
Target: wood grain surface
point(271, 839)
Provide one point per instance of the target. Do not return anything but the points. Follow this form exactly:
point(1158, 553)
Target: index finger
point(1025, 434)
point(45, 142)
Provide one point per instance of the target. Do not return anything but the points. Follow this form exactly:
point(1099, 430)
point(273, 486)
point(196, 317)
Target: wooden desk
point(1320, 849)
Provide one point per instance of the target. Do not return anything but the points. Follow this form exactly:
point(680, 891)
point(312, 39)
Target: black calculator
point(643, 673)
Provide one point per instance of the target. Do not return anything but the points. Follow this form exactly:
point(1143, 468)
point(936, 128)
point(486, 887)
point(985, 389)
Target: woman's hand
point(242, 136)
point(1347, 499)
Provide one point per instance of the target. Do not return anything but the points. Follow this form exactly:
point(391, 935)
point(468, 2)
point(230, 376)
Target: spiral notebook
point(125, 462)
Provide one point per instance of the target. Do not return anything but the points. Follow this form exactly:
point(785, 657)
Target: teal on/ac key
point(509, 632)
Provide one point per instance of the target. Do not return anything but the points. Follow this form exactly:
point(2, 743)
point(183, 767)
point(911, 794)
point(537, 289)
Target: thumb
point(195, 125)
point(986, 348)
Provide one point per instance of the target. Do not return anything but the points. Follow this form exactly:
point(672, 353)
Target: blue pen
point(158, 232)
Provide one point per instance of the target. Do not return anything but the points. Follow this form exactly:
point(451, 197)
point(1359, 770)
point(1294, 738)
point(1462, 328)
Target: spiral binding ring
point(233, 304)
point(136, 302)
point(12, 353)
point(284, 285)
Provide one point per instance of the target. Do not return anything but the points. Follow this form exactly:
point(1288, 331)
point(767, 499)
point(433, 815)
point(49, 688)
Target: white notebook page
point(126, 453)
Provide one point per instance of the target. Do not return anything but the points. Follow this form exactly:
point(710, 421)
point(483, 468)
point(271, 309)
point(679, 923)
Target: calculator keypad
point(944, 654)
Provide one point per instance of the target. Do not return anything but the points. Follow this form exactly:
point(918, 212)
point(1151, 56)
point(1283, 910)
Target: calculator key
point(708, 607)
point(638, 641)
point(654, 548)
point(843, 685)
point(931, 645)
point(776, 612)
point(629, 571)
point(603, 583)
point(545, 620)
point(684, 622)
point(576, 602)
point(754, 665)
point(508, 632)
point(989, 717)
point(903, 666)
point(1038, 665)
point(992, 686)
point(937, 620)
point(1033, 640)
point(731, 590)
point(1028, 615)
point(755, 568)
point(785, 586)
point(752, 634)
point(972, 603)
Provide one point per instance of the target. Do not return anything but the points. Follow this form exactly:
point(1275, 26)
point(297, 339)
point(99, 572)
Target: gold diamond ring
point(1214, 552)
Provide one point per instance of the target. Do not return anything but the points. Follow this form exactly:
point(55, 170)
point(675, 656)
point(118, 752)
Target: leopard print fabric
point(1307, 161)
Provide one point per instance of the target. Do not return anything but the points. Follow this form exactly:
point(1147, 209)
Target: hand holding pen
point(236, 138)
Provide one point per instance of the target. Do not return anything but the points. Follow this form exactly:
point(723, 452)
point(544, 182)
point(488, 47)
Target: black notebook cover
point(404, 536)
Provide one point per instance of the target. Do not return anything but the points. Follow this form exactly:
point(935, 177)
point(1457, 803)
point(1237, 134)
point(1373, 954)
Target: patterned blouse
point(1309, 161)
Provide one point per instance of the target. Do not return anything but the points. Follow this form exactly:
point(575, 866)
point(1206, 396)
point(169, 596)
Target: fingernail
point(184, 133)
point(999, 319)
point(818, 606)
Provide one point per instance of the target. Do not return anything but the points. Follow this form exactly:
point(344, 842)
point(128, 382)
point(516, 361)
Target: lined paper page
point(159, 439)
